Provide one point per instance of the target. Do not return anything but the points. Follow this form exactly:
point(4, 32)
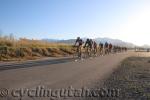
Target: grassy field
point(12, 49)
point(132, 78)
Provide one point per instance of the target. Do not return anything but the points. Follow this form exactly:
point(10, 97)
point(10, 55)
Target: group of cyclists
point(92, 48)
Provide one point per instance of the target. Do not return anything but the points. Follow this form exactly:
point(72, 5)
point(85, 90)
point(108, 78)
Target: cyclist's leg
point(100, 51)
point(94, 51)
point(80, 52)
point(89, 51)
point(75, 54)
point(86, 52)
point(108, 50)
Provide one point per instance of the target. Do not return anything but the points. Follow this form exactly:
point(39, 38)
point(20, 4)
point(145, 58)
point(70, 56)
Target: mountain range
point(98, 40)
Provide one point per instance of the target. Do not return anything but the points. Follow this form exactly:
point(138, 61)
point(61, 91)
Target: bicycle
point(78, 53)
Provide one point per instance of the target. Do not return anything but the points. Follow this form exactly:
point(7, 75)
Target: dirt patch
point(132, 78)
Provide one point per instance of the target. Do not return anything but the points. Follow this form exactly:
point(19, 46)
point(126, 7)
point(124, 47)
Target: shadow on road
point(34, 64)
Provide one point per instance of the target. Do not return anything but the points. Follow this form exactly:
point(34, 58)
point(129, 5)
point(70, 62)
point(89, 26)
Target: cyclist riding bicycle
point(95, 48)
point(88, 45)
point(78, 43)
point(101, 46)
point(106, 48)
point(110, 48)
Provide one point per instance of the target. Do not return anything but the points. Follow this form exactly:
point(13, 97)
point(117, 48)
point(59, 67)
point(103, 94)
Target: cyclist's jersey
point(101, 45)
point(89, 43)
point(110, 46)
point(106, 45)
point(79, 42)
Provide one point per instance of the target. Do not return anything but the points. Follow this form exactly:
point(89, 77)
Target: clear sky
point(128, 20)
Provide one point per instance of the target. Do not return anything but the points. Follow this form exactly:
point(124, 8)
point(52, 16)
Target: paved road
point(27, 64)
point(59, 73)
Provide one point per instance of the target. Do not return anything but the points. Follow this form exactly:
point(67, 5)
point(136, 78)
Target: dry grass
point(10, 48)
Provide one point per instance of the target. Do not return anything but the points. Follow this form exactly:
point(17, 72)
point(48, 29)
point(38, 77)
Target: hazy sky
point(128, 20)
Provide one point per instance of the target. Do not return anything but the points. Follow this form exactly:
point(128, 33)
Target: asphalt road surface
point(58, 73)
